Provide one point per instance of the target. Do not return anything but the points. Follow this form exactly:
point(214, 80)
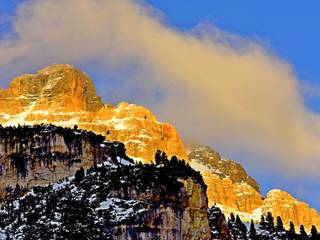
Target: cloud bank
point(216, 87)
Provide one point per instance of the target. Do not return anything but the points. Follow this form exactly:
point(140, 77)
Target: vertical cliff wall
point(114, 201)
point(34, 155)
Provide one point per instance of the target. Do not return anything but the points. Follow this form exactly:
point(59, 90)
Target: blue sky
point(287, 28)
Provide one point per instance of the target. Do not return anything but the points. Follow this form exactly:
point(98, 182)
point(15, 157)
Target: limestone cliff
point(234, 191)
point(281, 203)
point(228, 182)
point(34, 155)
point(114, 201)
point(64, 96)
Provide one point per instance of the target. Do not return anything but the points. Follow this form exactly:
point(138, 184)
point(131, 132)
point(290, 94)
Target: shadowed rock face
point(114, 201)
point(34, 155)
point(64, 96)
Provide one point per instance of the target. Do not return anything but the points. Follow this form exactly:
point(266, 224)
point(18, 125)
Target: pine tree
point(279, 225)
point(113, 154)
point(280, 231)
point(243, 230)
point(263, 223)
point(157, 157)
point(303, 234)
point(314, 233)
point(232, 218)
point(292, 231)
point(238, 221)
point(270, 223)
point(253, 232)
point(164, 157)
point(79, 176)
point(174, 161)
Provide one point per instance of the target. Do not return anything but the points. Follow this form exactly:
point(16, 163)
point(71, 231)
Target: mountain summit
point(63, 95)
point(56, 88)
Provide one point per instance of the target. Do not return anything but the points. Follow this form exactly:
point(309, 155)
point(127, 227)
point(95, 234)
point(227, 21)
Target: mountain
point(113, 200)
point(234, 191)
point(64, 96)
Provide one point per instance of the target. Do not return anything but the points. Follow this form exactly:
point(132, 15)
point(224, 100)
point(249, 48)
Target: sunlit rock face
point(234, 191)
point(228, 182)
point(64, 96)
point(281, 203)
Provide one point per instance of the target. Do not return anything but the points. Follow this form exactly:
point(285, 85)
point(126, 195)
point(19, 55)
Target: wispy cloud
point(216, 87)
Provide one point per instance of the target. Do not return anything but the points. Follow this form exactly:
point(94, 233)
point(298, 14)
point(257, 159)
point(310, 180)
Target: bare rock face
point(59, 88)
point(228, 182)
point(114, 201)
point(282, 204)
point(186, 219)
point(234, 191)
point(35, 155)
point(64, 96)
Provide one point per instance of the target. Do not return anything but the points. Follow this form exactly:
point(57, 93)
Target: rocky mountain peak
point(58, 87)
point(63, 95)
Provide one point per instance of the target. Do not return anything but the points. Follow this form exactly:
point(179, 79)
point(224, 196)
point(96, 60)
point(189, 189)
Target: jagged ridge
point(64, 96)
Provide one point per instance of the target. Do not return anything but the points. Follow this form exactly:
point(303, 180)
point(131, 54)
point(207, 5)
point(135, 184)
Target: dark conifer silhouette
point(253, 232)
point(79, 176)
point(292, 231)
point(314, 233)
point(303, 235)
point(270, 222)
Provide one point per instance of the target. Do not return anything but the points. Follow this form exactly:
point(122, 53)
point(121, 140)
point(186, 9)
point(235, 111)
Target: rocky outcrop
point(234, 191)
point(224, 168)
point(228, 182)
point(64, 96)
point(34, 155)
point(114, 202)
point(236, 196)
point(281, 203)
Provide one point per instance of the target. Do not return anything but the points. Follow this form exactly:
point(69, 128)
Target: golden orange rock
point(228, 183)
point(234, 191)
point(64, 96)
point(282, 204)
